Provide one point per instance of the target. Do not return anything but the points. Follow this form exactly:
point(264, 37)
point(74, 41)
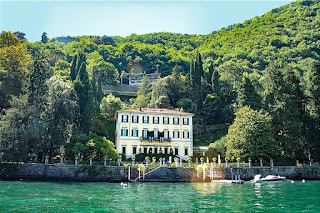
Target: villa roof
point(156, 111)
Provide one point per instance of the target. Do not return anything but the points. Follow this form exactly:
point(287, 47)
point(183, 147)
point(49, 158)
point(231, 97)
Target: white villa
point(151, 130)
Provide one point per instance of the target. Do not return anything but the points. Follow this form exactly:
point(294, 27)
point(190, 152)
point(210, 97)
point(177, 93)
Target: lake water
point(19, 196)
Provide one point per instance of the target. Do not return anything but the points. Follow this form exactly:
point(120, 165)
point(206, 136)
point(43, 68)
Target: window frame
point(155, 120)
point(185, 119)
point(123, 131)
point(166, 118)
point(133, 131)
point(145, 119)
point(176, 119)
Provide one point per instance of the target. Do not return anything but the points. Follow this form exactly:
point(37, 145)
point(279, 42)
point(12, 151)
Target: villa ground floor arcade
point(131, 148)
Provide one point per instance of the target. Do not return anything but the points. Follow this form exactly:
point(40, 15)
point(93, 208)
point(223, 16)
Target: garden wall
point(58, 172)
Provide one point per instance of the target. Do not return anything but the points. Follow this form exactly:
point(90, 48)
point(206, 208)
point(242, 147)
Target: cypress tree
point(215, 82)
point(198, 71)
point(211, 70)
point(80, 61)
point(100, 93)
point(192, 74)
point(86, 98)
point(73, 69)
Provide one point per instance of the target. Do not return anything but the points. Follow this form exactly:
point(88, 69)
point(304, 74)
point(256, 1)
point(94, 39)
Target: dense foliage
point(268, 63)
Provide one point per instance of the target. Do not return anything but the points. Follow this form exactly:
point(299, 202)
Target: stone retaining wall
point(17, 171)
point(290, 172)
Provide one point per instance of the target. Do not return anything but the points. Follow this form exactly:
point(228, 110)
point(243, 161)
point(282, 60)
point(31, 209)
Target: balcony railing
point(155, 139)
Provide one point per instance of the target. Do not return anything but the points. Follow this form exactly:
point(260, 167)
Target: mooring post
point(129, 171)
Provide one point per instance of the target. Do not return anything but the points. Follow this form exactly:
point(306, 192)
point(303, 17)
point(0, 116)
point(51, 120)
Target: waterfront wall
point(13, 171)
point(246, 173)
point(17, 171)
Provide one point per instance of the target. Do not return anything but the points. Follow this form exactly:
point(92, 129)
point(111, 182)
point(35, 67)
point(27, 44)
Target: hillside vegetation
point(268, 63)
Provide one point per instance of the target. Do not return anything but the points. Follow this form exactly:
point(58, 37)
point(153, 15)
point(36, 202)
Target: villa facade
point(152, 130)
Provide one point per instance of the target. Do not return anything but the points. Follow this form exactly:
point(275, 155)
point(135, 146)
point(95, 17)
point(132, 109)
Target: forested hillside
point(269, 63)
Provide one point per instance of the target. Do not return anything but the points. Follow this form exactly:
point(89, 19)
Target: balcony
point(155, 140)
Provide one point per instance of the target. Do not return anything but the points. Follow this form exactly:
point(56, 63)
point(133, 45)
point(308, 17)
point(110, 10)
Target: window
point(135, 119)
point(185, 151)
point(135, 133)
point(185, 134)
point(166, 150)
point(165, 120)
point(176, 151)
point(145, 133)
point(145, 150)
point(176, 134)
point(176, 120)
point(124, 132)
point(155, 150)
point(166, 134)
point(123, 150)
point(134, 150)
point(155, 134)
point(185, 121)
point(155, 119)
point(145, 119)
point(124, 118)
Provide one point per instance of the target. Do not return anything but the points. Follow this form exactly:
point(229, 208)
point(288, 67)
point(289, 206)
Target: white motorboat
point(268, 178)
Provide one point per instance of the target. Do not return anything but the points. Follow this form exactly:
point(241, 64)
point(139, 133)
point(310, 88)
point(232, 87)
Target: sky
point(103, 17)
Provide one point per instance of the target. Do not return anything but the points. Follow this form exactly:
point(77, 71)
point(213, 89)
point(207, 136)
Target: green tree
point(215, 81)
point(91, 146)
point(220, 146)
point(312, 78)
point(143, 93)
point(73, 69)
point(8, 39)
point(13, 68)
point(20, 35)
point(14, 143)
point(251, 136)
point(60, 113)
point(312, 127)
point(109, 106)
point(37, 94)
point(44, 38)
point(283, 100)
point(247, 95)
point(87, 112)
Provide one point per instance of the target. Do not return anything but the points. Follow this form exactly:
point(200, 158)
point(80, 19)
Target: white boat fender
point(292, 181)
point(303, 181)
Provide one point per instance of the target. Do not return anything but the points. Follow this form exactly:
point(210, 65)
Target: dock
point(228, 181)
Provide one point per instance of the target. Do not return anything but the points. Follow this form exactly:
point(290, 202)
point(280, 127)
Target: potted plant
point(133, 158)
point(261, 163)
point(147, 160)
point(214, 159)
point(189, 161)
point(202, 159)
point(227, 160)
point(238, 161)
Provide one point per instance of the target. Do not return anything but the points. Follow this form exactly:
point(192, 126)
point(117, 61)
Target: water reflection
point(159, 197)
point(207, 188)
